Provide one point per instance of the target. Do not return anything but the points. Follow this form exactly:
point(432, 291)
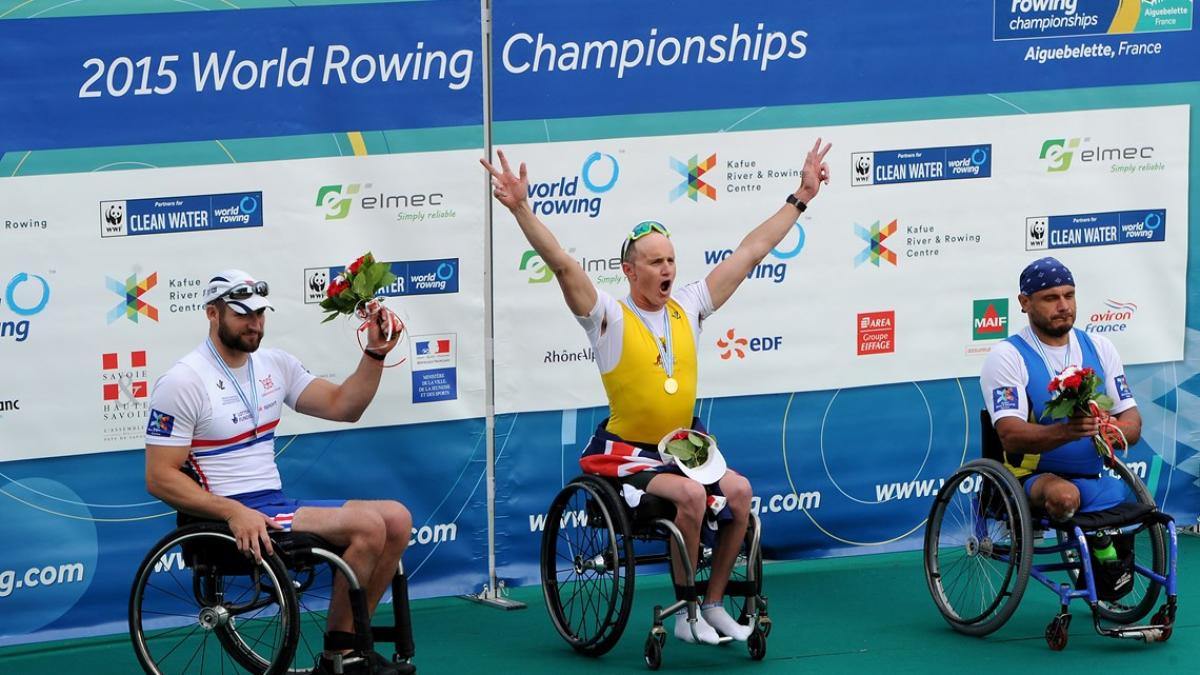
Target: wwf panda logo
point(318, 281)
point(1037, 230)
point(114, 214)
point(863, 166)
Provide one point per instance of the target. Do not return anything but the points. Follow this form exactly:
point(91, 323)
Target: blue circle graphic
point(586, 171)
point(19, 279)
point(979, 156)
point(786, 255)
point(1153, 221)
point(248, 205)
point(445, 271)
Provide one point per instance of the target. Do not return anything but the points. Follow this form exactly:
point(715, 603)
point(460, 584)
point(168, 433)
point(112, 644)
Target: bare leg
point(689, 498)
point(737, 492)
point(360, 529)
point(1056, 496)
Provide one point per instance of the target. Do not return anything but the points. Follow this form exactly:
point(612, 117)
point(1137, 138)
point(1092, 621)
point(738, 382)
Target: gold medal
point(671, 385)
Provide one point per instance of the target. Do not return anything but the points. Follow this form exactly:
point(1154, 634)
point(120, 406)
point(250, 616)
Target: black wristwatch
point(375, 355)
point(795, 201)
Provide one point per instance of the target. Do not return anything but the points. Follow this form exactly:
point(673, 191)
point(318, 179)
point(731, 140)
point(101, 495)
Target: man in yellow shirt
point(645, 348)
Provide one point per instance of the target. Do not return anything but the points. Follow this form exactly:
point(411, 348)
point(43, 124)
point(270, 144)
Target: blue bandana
point(1045, 273)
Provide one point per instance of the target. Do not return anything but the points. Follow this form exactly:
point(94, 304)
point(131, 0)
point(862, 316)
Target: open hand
point(249, 528)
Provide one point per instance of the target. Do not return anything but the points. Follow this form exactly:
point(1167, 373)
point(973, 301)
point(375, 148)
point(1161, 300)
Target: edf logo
point(733, 346)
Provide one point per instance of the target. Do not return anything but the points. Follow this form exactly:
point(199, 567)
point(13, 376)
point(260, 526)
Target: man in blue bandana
point(1055, 460)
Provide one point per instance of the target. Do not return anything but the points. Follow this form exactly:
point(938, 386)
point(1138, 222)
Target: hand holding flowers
point(1076, 392)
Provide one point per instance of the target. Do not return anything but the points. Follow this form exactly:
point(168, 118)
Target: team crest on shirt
point(1004, 398)
point(160, 424)
point(267, 383)
point(1123, 390)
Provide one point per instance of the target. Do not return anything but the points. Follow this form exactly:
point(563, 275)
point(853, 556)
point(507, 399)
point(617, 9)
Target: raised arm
point(727, 276)
point(513, 192)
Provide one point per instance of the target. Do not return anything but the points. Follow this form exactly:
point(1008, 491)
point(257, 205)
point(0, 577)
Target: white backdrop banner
point(904, 269)
point(105, 296)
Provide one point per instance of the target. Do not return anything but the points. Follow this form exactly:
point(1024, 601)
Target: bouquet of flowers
point(353, 293)
point(689, 448)
point(1077, 391)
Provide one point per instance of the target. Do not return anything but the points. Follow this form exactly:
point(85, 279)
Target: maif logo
point(131, 305)
point(336, 200)
point(874, 237)
point(693, 185)
point(989, 320)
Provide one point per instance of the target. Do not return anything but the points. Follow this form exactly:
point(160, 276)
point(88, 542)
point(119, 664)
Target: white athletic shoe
point(719, 619)
point(704, 633)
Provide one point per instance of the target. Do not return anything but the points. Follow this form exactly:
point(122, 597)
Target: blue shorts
point(281, 508)
point(1095, 494)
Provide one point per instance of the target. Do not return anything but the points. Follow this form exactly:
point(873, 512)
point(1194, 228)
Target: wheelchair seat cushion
point(1121, 515)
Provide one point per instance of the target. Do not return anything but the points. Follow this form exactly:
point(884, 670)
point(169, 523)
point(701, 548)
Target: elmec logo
point(1059, 153)
point(989, 320)
point(338, 200)
point(731, 345)
point(693, 186)
point(876, 332)
point(598, 174)
point(601, 270)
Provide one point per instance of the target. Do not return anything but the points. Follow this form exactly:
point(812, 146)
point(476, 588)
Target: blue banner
point(1096, 229)
point(238, 74)
point(626, 56)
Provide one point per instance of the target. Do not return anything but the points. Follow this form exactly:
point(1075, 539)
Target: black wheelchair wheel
point(313, 584)
point(740, 585)
point(197, 605)
point(978, 547)
point(588, 565)
point(1149, 550)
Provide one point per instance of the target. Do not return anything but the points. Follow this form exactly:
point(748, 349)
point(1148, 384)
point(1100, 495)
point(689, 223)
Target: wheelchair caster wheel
point(1161, 618)
point(764, 625)
point(1056, 632)
point(756, 644)
point(653, 652)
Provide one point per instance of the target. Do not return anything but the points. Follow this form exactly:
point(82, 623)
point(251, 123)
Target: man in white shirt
point(1055, 460)
point(213, 414)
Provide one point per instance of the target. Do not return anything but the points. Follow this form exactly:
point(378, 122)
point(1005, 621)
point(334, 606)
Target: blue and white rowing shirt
point(193, 405)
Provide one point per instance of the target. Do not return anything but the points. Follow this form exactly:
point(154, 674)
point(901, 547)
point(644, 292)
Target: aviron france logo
point(989, 319)
point(131, 305)
point(876, 333)
point(1060, 154)
point(874, 237)
point(599, 174)
point(336, 199)
point(730, 345)
point(1114, 318)
point(693, 185)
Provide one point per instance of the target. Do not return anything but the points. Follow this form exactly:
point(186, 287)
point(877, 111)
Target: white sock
point(705, 632)
point(719, 619)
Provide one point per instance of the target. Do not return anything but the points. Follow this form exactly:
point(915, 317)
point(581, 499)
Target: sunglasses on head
point(244, 291)
point(642, 229)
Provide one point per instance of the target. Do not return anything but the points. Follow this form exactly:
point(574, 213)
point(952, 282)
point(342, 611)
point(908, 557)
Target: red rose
point(1073, 381)
point(356, 264)
point(336, 288)
point(680, 436)
point(1087, 372)
point(1053, 386)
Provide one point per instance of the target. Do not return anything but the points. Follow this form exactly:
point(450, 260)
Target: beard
point(1054, 331)
point(247, 342)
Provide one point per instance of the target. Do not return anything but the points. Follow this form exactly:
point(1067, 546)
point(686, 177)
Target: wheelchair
point(982, 536)
point(199, 604)
point(591, 547)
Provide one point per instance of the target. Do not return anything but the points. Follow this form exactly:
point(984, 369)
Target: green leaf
point(331, 317)
point(696, 439)
point(1103, 401)
point(359, 285)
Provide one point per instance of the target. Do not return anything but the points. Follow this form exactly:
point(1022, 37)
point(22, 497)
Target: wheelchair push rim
point(978, 548)
point(588, 565)
point(193, 612)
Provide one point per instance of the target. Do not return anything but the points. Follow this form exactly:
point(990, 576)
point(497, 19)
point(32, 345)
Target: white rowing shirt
point(194, 405)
